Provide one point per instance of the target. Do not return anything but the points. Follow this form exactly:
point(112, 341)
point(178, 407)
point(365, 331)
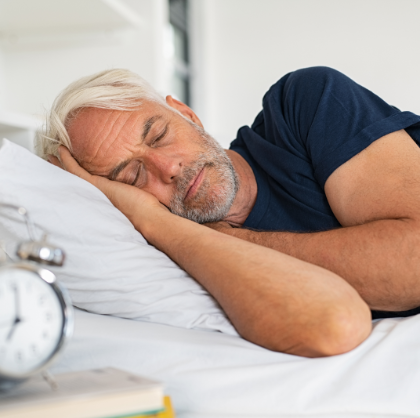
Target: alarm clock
point(36, 315)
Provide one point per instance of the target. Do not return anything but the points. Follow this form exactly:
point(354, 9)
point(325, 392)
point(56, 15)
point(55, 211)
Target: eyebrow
point(148, 125)
point(117, 170)
point(146, 129)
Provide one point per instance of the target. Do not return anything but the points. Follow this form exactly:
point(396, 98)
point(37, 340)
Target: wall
point(244, 46)
point(35, 73)
point(2, 85)
point(239, 48)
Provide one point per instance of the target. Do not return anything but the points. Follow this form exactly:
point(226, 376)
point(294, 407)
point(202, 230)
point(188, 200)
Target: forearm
point(272, 299)
point(379, 259)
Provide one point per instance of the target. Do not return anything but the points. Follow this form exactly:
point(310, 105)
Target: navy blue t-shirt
point(313, 121)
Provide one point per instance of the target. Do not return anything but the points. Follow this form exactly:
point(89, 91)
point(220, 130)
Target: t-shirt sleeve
point(325, 115)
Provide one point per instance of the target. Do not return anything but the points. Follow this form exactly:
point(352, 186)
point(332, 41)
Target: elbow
point(338, 330)
point(343, 331)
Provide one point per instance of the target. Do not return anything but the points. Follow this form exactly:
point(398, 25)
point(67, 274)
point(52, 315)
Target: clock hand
point(17, 303)
point(17, 312)
point(12, 330)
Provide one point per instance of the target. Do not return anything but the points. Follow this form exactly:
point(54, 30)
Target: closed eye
point(161, 135)
point(133, 183)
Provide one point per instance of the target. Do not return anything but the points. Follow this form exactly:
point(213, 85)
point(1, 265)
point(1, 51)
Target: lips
point(195, 184)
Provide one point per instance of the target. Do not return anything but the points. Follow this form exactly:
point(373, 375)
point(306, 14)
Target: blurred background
point(218, 56)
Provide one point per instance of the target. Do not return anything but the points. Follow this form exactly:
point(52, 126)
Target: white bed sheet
point(209, 374)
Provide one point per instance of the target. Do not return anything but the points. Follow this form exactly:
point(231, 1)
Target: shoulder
point(294, 101)
point(316, 72)
point(307, 80)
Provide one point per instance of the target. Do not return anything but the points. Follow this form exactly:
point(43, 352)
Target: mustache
point(217, 190)
point(188, 174)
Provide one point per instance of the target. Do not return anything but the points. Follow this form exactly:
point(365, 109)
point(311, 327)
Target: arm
point(272, 299)
point(376, 197)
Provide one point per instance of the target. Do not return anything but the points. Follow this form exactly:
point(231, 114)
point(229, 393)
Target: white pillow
point(110, 268)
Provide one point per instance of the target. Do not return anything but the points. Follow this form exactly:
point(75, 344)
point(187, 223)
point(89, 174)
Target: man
point(327, 174)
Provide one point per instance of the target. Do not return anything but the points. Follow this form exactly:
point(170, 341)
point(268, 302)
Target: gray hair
point(116, 89)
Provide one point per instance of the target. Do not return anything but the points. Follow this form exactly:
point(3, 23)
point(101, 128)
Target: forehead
point(100, 137)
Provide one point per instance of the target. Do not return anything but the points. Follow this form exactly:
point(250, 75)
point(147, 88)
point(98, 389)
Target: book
point(168, 412)
point(99, 393)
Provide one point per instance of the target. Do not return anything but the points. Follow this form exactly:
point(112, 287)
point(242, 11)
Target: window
point(178, 34)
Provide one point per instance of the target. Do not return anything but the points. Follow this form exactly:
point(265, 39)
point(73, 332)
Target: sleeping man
point(303, 230)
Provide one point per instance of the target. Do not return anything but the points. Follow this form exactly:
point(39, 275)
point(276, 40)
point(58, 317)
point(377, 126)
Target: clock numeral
point(42, 300)
point(49, 316)
point(19, 356)
point(34, 349)
point(45, 335)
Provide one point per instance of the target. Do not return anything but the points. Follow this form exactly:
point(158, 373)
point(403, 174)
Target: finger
point(213, 225)
point(219, 225)
point(71, 165)
point(54, 161)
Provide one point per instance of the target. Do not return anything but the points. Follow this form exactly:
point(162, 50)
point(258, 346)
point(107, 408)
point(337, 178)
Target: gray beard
point(214, 205)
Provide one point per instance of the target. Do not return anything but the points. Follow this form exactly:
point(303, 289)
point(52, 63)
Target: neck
point(247, 193)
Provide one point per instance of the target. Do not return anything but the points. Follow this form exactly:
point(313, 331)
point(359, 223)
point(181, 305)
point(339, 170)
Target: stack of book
point(99, 393)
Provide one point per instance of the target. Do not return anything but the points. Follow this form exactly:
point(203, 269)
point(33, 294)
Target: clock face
point(31, 321)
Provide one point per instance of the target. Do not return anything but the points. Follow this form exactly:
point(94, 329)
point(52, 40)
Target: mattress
point(214, 375)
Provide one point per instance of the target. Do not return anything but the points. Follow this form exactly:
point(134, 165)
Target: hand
point(136, 204)
point(221, 226)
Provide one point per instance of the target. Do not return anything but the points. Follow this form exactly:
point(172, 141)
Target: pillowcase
point(110, 268)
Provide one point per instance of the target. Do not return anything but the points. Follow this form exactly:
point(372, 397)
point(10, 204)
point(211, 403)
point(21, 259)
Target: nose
point(166, 167)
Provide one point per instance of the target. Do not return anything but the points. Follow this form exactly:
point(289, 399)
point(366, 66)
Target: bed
point(214, 375)
point(142, 313)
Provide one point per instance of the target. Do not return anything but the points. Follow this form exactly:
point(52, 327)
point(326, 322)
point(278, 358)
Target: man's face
point(159, 151)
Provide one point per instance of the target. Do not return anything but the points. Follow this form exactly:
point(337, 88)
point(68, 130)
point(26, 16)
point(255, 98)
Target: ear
point(184, 109)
